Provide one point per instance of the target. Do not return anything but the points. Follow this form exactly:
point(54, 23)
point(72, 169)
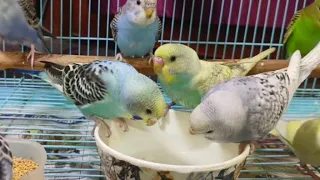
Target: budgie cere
point(136, 28)
point(303, 137)
point(20, 25)
point(6, 161)
point(107, 89)
point(246, 109)
point(186, 79)
point(303, 31)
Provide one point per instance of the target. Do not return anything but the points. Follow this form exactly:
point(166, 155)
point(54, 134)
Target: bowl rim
point(167, 167)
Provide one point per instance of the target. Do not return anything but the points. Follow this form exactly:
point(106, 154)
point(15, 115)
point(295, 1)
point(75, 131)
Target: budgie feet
point(168, 108)
point(122, 124)
point(119, 57)
point(150, 57)
point(31, 55)
point(243, 145)
point(309, 172)
point(97, 122)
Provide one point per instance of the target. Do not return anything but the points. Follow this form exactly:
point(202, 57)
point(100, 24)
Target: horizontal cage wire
point(216, 29)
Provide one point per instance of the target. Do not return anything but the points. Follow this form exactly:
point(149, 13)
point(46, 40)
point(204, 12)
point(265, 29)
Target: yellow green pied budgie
point(303, 137)
point(303, 31)
point(6, 161)
point(107, 90)
point(185, 78)
point(136, 28)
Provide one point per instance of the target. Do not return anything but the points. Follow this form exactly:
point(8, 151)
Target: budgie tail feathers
point(245, 65)
point(309, 63)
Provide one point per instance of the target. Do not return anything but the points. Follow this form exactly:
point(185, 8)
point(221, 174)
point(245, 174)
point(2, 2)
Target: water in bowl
point(172, 145)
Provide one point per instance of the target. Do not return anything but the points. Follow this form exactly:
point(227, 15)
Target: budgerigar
point(20, 25)
point(303, 136)
point(246, 109)
point(303, 31)
point(136, 28)
point(186, 79)
point(107, 89)
point(6, 161)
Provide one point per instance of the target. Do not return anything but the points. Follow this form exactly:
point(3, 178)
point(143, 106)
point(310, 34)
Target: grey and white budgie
point(107, 89)
point(243, 110)
point(20, 25)
point(136, 28)
point(6, 161)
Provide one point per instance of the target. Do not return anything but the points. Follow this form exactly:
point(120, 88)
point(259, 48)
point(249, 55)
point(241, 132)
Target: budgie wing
point(210, 75)
point(32, 19)
point(82, 83)
point(291, 26)
point(113, 24)
point(159, 29)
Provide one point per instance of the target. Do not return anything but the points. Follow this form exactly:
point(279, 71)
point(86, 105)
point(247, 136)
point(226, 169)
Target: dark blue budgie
point(20, 25)
point(136, 28)
point(6, 161)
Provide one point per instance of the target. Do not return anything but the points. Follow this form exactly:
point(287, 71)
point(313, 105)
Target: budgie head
point(220, 117)
point(173, 61)
point(142, 12)
point(143, 99)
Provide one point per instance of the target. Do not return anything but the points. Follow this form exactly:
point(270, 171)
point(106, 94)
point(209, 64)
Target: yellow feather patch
point(274, 132)
point(167, 76)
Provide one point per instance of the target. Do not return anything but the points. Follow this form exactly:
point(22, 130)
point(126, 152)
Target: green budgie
point(186, 79)
point(303, 137)
point(107, 89)
point(6, 161)
point(303, 31)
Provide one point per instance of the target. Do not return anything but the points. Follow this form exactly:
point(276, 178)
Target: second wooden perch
point(13, 60)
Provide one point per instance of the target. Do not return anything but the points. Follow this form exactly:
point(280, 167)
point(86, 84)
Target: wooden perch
point(13, 60)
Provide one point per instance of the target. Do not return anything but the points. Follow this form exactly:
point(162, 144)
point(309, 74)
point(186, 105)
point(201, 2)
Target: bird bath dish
point(166, 150)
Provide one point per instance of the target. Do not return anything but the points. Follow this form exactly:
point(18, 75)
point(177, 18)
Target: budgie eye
point(173, 58)
point(138, 2)
point(148, 111)
point(209, 132)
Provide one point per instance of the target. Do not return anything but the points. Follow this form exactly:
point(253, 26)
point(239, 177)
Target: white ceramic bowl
point(28, 149)
point(166, 151)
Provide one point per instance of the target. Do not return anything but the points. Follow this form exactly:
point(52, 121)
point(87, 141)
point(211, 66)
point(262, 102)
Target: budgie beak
point(149, 12)
point(191, 131)
point(158, 64)
point(151, 121)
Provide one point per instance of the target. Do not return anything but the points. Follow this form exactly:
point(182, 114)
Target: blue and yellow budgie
point(303, 31)
point(303, 137)
point(186, 78)
point(107, 90)
point(136, 28)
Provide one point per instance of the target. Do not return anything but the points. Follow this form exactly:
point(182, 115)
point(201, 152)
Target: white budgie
point(20, 25)
point(136, 28)
point(6, 161)
point(107, 90)
point(246, 109)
